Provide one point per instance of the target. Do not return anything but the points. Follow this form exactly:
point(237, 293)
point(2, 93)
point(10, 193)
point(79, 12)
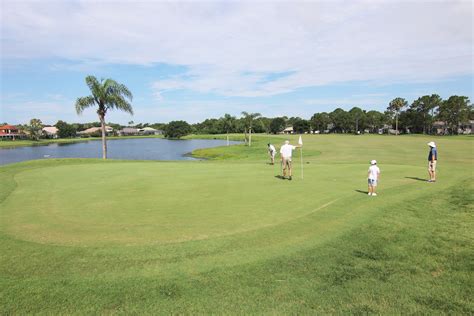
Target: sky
point(192, 60)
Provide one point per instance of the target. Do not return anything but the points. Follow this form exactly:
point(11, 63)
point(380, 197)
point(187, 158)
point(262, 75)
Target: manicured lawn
point(225, 235)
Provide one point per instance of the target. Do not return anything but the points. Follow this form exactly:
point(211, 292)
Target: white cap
point(373, 162)
point(287, 142)
point(432, 144)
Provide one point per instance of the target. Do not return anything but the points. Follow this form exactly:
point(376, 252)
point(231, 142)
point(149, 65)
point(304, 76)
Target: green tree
point(65, 130)
point(394, 108)
point(425, 107)
point(106, 95)
point(357, 118)
point(301, 126)
point(35, 128)
point(228, 122)
point(340, 119)
point(249, 119)
point(320, 121)
point(374, 120)
point(277, 125)
point(454, 111)
point(177, 129)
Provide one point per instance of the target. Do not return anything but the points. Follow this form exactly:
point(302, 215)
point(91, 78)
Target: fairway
point(226, 235)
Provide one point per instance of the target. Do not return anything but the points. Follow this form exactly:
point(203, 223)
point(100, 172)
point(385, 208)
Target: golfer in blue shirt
point(432, 159)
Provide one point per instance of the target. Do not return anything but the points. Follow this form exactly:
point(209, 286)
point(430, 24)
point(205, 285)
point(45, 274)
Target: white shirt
point(286, 150)
point(272, 148)
point(374, 172)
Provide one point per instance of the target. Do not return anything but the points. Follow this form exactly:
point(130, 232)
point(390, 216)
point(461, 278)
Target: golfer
point(272, 152)
point(286, 152)
point(432, 158)
point(373, 177)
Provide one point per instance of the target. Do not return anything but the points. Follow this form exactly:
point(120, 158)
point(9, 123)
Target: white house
point(93, 130)
point(288, 130)
point(149, 131)
point(50, 131)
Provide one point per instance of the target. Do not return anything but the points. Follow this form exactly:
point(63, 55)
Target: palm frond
point(118, 102)
point(95, 87)
point(84, 102)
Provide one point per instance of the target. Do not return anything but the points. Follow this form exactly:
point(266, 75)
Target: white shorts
point(432, 166)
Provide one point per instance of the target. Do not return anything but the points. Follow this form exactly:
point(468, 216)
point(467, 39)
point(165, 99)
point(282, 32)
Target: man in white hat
point(373, 176)
point(286, 152)
point(432, 158)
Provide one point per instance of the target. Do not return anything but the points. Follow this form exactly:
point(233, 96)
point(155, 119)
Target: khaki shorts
point(432, 165)
point(286, 162)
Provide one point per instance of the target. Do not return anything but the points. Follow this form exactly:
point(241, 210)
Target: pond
point(134, 149)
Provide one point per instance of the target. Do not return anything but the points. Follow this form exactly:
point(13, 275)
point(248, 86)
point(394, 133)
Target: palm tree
point(394, 107)
point(107, 95)
point(248, 120)
point(229, 122)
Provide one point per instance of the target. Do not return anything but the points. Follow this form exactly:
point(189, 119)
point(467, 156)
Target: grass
point(225, 235)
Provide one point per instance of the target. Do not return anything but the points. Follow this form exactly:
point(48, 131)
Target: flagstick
point(301, 156)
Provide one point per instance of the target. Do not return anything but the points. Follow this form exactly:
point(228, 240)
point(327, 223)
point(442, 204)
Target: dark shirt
point(433, 153)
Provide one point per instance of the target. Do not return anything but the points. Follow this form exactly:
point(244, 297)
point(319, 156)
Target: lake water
point(134, 149)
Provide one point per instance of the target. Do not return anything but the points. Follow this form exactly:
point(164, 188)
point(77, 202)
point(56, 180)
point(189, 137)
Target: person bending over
point(271, 153)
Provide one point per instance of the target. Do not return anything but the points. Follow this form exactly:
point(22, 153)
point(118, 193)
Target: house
point(96, 130)
point(466, 128)
point(126, 131)
point(288, 130)
point(149, 131)
point(50, 131)
point(440, 127)
point(10, 132)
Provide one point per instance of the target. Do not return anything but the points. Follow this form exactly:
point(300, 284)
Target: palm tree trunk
point(396, 124)
point(104, 140)
point(250, 137)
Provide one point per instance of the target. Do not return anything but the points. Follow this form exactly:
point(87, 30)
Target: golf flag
point(300, 142)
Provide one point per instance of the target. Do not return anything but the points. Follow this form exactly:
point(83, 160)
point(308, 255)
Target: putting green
point(155, 203)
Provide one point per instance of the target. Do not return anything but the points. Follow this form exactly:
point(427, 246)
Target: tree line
point(418, 117)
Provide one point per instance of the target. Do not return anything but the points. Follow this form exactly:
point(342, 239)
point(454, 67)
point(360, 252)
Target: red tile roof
point(8, 127)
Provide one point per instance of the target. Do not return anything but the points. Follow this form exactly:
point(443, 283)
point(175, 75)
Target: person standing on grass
point(272, 153)
point(373, 176)
point(286, 152)
point(432, 158)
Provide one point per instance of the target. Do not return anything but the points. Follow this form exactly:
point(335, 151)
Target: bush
point(177, 129)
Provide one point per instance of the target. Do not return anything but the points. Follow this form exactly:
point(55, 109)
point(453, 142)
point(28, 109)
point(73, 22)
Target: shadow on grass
point(363, 192)
point(280, 177)
point(415, 178)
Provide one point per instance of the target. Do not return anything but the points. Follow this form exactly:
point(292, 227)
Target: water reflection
point(134, 149)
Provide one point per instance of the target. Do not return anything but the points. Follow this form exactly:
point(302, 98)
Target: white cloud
point(231, 47)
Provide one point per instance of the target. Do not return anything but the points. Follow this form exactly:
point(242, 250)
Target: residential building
point(127, 131)
point(149, 131)
point(10, 132)
point(96, 130)
point(50, 131)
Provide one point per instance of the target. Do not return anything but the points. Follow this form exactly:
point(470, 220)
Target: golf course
point(227, 235)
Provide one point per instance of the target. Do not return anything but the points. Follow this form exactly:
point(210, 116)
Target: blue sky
point(195, 60)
